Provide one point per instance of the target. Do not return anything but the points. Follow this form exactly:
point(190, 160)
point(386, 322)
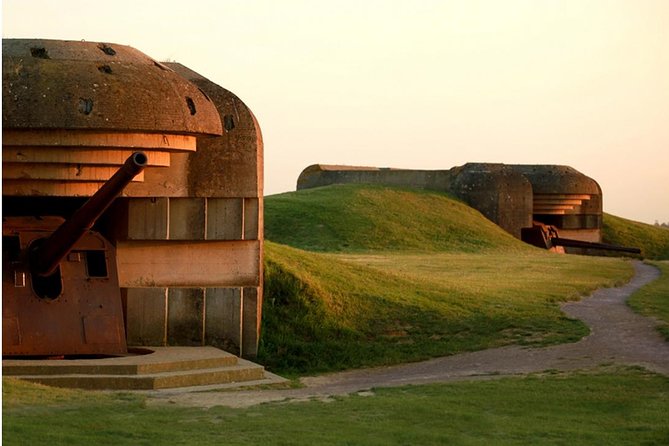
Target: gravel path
point(618, 336)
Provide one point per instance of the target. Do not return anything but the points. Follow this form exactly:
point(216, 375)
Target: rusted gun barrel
point(46, 256)
point(570, 243)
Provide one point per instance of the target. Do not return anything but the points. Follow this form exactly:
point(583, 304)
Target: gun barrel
point(48, 254)
point(570, 243)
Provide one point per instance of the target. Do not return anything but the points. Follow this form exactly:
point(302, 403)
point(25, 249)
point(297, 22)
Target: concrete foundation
point(145, 369)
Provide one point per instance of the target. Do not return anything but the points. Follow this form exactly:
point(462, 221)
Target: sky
point(418, 84)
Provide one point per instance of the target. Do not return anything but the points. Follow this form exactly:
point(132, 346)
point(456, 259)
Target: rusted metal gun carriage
point(60, 286)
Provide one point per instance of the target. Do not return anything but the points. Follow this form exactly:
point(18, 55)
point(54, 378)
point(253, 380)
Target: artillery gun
point(548, 237)
point(60, 287)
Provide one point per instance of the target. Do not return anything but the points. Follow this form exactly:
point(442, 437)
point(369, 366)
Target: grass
point(621, 407)
point(359, 218)
point(377, 275)
point(325, 312)
point(355, 218)
point(653, 240)
point(653, 299)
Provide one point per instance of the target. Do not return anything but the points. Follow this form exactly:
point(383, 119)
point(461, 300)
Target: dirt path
point(618, 336)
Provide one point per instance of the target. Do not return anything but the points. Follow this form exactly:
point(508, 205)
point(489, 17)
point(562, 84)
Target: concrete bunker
point(184, 237)
point(521, 199)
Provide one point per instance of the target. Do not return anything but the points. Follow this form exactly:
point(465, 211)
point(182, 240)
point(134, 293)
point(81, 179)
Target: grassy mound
point(325, 312)
point(349, 218)
point(651, 300)
point(375, 275)
point(653, 240)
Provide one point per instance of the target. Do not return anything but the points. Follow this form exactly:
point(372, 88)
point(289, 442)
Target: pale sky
point(418, 84)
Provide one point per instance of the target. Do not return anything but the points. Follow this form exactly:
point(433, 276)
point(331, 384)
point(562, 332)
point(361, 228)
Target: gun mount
point(60, 284)
point(547, 237)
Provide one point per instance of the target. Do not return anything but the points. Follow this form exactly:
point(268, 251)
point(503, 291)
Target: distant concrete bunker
point(518, 198)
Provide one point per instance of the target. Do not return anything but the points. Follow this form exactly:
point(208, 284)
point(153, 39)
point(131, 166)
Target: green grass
point(621, 407)
point(653, 299)
point(653, 240)
point(325, 312)
point(350, 218)
point(377, 275)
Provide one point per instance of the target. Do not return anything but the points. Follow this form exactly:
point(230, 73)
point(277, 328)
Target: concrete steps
point(163, 368)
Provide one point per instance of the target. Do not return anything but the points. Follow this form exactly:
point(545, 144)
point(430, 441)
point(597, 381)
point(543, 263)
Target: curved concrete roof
point(54, 84)
point(556, 179)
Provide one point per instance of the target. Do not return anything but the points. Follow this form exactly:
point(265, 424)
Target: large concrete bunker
point(185, 237)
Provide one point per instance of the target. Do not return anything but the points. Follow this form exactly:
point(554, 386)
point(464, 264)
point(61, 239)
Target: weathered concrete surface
point(55, 84)
point(318, 175)
point(618, 337)
point(236, 157)
point(90, 101)
point(565, 198)
point(211, 200)
point(230, 165)
point(500, 193)
point(155, 368)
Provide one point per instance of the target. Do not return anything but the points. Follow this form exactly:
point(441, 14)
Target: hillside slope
point(402, 275)
point(653, 240)
point(350, 218)
point(325, 312)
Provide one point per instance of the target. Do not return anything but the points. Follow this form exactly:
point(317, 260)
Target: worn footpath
point(618, 336)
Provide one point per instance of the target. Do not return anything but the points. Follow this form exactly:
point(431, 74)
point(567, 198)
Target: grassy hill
point(404, 275)
point(350, 218)
point(355, 218)
point(327, 312)
point(653, 240)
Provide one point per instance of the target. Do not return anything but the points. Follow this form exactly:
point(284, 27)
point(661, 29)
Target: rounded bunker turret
point(73, 111)
point(565, 198)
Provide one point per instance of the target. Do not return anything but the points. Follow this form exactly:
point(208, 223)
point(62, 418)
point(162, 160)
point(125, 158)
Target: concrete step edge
point(115, 369)
point(221, 375)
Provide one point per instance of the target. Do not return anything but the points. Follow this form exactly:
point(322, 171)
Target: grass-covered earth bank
point(368, 275)
point(326, 312)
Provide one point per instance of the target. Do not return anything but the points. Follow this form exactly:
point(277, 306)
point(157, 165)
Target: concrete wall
point(190, 238)
point(322, 175)
point(498, 192)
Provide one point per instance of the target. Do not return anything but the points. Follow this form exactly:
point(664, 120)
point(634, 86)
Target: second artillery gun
point(60, 286)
